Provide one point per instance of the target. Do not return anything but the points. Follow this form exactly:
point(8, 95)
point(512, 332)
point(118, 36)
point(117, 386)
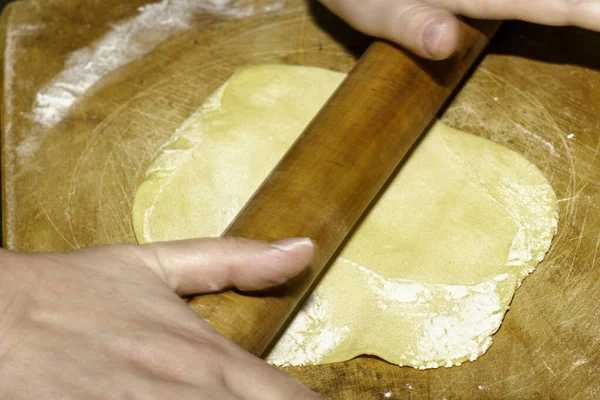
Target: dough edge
point(174, 152)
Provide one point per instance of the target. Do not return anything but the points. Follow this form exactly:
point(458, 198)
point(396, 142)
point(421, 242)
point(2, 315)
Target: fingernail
point(292, 243)
point(433, 36)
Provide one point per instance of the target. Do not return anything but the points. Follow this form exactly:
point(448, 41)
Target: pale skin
point(108, 322)
point(430, 28)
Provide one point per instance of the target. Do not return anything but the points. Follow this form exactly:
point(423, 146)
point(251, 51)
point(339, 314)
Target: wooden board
point(92, 88)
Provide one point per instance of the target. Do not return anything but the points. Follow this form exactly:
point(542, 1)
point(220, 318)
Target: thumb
point(423, 28)
point(208, 265)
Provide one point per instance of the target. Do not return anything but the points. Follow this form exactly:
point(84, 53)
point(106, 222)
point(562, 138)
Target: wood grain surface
point(92, 89)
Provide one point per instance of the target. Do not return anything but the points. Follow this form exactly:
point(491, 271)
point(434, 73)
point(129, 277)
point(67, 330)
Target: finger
point(583, 13)
point(424, 29)
point(253, 379)
point(205, 265)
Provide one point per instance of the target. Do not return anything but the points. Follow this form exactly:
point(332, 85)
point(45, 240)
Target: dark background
point(3, 3)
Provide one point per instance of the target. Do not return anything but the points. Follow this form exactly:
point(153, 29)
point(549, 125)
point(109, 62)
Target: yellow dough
point(427, 277)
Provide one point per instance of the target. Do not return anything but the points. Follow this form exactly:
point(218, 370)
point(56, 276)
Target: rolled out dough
point(427, 277)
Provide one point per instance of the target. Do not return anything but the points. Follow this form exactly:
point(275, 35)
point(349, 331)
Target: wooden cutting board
point(92, 88)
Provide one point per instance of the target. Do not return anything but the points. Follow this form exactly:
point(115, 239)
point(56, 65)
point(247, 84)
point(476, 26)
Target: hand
point(106, 322)
point(430, 29)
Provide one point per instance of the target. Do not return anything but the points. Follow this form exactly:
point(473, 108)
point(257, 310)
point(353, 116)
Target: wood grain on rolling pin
point(327, 180)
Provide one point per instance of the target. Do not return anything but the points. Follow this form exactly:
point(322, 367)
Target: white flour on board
point(127, 41)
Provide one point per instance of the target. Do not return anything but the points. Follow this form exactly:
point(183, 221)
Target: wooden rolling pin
point(329, 178)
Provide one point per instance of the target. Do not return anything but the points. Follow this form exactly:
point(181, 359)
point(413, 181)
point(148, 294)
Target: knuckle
point(356, 12)
point(410, 15)
point(129, 255)
point(119, 250)
point(156, 257)
point(162, 356)
point(158, 254)
point(408, 22)
point(230, 244)
point(172, 357)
